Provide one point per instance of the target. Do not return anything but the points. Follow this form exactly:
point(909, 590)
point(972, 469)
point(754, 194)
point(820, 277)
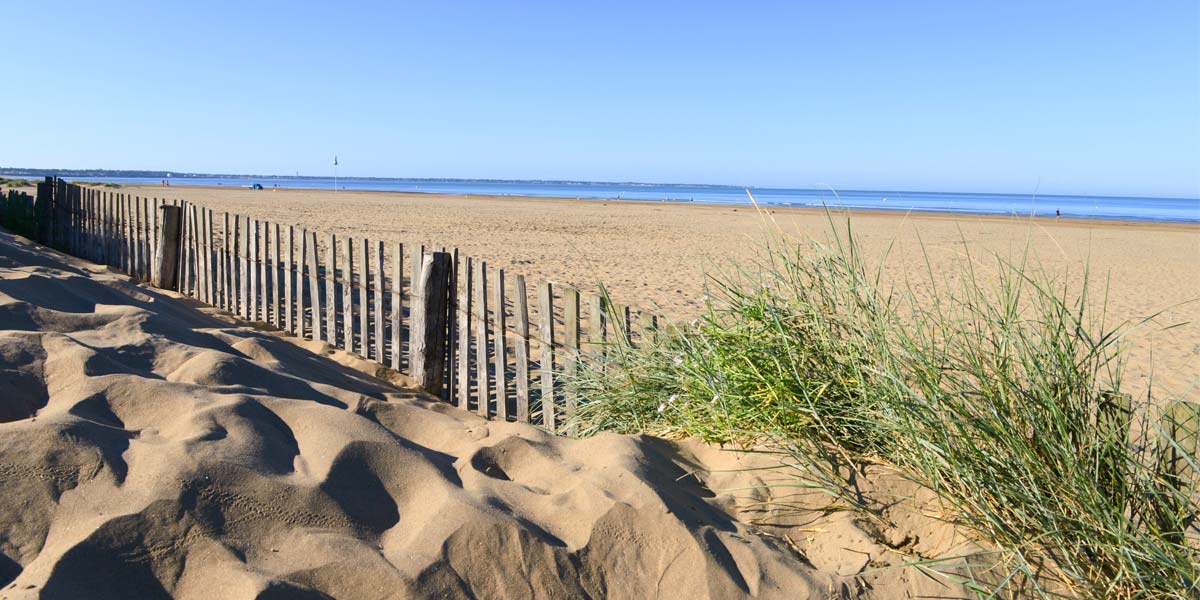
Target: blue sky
point(1053, 97)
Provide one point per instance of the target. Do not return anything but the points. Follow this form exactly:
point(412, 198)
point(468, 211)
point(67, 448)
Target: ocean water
point(1090, 207)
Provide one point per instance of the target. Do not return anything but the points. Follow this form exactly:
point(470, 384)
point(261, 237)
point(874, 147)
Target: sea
point(1071, 207)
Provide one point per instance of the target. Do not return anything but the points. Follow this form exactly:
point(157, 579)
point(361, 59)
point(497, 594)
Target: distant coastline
point(159, 174)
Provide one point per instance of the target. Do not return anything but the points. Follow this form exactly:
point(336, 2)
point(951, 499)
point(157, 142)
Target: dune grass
point(16, 183)
point(1004, 398)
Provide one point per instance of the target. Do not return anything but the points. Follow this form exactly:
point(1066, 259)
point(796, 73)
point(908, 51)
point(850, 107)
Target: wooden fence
point(480, 338)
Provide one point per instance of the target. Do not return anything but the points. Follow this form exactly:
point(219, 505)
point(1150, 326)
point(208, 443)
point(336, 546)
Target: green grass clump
point(16, 183)
point(1002, 398)
point(108, 184)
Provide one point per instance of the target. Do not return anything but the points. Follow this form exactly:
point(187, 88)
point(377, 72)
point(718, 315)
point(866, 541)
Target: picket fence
point(472, 335)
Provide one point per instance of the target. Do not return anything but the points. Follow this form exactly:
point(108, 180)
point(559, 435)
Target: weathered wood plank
point(464, 338)
point(377, 267)
point(301, 298)
point(482, 340)
point(264, 255)
point(429, 322)
point(521, 347)
point(144, 237)
point(1183, 443)
point(452, 328)
point(255, 287)
point(244, 270)
point(210, 259)
point(226, 266)
point(500, 351)
point(201, 275)
point(571, 351)
point(167, 261)
point(189, 240)
point(364, 315)
point(597, 324)
point(647, 327)
point(277, 275)
point(135, 246)
point(397, 305)
point(546, 353)
point(289, 302)
point(348, 296)
point(331, 307)
point(314, 286)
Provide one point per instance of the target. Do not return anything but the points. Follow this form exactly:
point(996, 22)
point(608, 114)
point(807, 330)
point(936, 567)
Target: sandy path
point(653, 254)
point(153, 449)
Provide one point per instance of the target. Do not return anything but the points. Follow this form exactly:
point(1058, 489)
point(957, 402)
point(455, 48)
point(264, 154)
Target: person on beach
point(1057, 214)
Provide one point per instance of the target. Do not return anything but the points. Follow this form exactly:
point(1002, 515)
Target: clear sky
point(1047, 96)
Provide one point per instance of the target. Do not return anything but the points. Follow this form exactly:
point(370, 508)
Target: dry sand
point(153, 448)
point(654, 254)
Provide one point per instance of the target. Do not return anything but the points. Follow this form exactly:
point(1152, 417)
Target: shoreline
point(664, 256)
point(1089, 222)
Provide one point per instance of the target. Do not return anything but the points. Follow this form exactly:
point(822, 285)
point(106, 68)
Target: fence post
point(41, 209)
point(166, 258)
point(429, 322)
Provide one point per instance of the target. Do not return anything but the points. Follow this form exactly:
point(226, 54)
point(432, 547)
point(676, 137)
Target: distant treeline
point(96, 173)
point(73, 173)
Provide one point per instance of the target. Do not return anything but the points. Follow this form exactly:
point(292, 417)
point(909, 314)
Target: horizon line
point(164, 173)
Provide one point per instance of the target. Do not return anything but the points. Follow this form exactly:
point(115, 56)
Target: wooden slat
point(377, 267)
point(521, 346)
point(429, 323)
point(198, 247)
point(110, 213)
point(118, 254)
point(276, 276)
point(314, 286)
point(647, 326)
point(255, 286)
point(481, 342)
point(301, 297)
point(500, 351)
point(189, 268)
point(135, 246)
point(546, 353)
point(244, 267)
point(147, 240)
point(464, 338)
point(217, 262)
point(397, 304)
point(597, 325)
point(571, 351)
point(289, 302)
point(264, 294)
point(452, 328)
point(203, 245)
point(201, 281)
point(331, 273)
point(126, 251)
point(226, 267)
point(197, 287)
point(364, 314)
point(153, 230)
point(418, 259)
point(348, 296)
point(130, 243)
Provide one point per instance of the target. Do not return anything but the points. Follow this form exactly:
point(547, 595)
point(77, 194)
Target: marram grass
point(1003, 398)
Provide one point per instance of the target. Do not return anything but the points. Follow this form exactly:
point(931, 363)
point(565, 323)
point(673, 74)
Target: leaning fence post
point(429, 322)
point(166, 257)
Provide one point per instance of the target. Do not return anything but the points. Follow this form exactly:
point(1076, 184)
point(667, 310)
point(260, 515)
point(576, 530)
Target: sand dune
point(153, 448)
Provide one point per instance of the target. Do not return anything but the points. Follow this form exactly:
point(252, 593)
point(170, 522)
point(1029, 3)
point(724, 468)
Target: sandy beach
point(151, 447)
point(657, 254)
